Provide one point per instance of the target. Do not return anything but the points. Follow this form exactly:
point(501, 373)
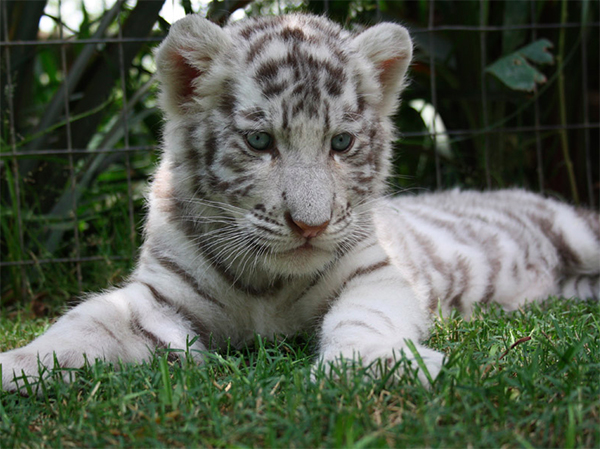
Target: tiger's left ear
point(389, 48)
point(185, 58)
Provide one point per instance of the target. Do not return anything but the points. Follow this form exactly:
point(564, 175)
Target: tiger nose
point(306, 230)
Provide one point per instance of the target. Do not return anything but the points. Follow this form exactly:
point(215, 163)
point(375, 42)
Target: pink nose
point(305, 230)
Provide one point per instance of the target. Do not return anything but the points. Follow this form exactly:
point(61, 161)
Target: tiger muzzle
point(305, 230)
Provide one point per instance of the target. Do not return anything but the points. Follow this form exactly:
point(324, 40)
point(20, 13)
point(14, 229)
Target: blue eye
point(259, 141)
point(342, 142)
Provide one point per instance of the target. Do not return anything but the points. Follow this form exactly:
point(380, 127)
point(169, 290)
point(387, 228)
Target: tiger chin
point(268, 213)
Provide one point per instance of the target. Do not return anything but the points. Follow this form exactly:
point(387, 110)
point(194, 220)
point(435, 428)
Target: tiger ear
point(184, 56)
point(389, 48)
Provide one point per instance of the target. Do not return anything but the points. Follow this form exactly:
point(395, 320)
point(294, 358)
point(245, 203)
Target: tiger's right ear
point(184, 57)
point(389, 48)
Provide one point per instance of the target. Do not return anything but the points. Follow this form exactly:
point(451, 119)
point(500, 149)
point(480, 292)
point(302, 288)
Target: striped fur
point(297, 234)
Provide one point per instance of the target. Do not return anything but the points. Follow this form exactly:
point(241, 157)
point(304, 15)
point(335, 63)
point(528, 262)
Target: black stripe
point(456, 300)
point(285, 112)
point(591, 219)
point(314, 281)
point(381, 315)
point(232, 279)
point(210, 149)
point(172, 266)
point(233, 161)
point(363, 271)
point(361, 191)
point(194, 233)
point(430, 252)
point(292, 34)
point(416, 266)
point(254, 114)
point(253, 27)
point(191, 155)
point(268, 72)
point(228, 99)
point(356, 323)
point(489, 244)
point(139, 330)
point(566, 254)
point(267, 230)
point(105, 328)
point(257, 46)
point(198, 326)
point(268, 219)
point(162, 300)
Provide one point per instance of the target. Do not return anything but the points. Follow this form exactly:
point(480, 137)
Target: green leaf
point(538, 52)
point(515, 70)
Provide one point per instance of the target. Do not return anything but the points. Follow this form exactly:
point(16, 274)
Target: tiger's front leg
point(122, 325)
point(372, 319)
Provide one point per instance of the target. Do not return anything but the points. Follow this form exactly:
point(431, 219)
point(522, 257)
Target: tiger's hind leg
point(581, 286)
point(577, 240)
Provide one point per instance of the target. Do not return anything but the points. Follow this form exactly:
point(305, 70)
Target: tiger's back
point(460, 248)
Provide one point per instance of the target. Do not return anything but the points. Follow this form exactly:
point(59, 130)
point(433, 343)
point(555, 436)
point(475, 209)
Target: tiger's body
point(268, 212)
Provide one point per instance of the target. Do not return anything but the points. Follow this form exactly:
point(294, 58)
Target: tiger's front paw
point(379, 360)
point(23, 369)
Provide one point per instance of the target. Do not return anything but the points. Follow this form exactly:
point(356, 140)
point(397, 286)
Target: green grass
point(526, 379)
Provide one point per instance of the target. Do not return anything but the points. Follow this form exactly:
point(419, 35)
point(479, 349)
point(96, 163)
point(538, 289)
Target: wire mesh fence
point(502, 94)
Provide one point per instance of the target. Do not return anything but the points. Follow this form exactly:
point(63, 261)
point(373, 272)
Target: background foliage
point(80, 127)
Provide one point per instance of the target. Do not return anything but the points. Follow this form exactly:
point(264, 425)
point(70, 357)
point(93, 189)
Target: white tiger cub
point(267, 213)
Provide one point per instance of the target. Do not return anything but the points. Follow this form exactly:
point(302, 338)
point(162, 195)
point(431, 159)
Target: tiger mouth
point(306, 248)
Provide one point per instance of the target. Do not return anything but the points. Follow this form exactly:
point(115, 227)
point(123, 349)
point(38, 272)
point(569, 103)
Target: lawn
point(526, 379)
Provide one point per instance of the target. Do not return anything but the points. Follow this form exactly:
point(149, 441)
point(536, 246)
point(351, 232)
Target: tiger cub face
point(278, 134)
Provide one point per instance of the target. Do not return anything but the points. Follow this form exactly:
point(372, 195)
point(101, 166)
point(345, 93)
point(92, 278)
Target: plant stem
point(562, 104)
